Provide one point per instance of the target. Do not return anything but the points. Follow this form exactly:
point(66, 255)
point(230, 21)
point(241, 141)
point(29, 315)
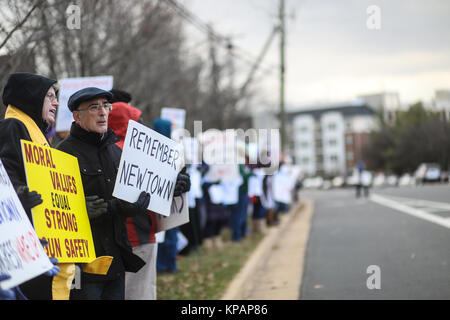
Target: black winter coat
point(99, 159)
point(26, 92)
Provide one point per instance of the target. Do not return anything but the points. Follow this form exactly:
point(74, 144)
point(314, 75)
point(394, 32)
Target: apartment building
point(328, 139)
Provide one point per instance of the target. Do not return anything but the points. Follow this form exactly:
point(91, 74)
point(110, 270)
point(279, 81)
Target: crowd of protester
point(129, 256)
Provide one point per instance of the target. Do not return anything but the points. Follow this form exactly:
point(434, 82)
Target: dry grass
point(206, 273)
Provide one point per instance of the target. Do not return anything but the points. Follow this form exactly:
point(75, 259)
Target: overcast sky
point(331, 53)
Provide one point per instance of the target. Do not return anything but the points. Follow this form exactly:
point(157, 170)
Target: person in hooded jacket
point(31, 103)
point(31, 109)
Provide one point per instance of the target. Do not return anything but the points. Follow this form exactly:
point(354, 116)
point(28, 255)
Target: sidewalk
point(274, 270)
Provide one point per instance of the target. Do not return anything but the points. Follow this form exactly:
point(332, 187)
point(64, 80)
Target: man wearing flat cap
point(93, 144)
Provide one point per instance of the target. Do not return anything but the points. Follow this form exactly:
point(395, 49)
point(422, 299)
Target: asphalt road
point(392, 248)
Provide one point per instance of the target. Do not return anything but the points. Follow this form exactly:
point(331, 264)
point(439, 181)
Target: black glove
point(183, 183)
point(95, 206)
point(142, 202)
point(28, 199)
point(127, 209)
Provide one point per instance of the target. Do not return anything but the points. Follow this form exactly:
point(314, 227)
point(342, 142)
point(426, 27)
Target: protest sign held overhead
point(62, 217)
point(69, 86)
point(21, 254)
point(177, 117)
point(150, 162)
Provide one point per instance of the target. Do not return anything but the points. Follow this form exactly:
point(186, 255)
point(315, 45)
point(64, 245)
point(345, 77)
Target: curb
point(242, 284)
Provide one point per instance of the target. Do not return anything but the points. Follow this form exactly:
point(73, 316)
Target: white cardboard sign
point(21, 254)
point(150, 162)
point(179, 215)
point(69, 86)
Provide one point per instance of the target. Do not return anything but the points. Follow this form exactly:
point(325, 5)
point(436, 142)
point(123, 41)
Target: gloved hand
point(127, 209)
point(28, 199)
point(95, 206)
point(142, 202)
point(183, 183)
point(6, 294)
point(55, 270)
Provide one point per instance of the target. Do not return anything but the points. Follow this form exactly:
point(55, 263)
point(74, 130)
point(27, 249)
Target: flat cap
point(87, 94)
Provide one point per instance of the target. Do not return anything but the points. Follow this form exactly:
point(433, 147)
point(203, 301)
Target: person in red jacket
point(141, 233)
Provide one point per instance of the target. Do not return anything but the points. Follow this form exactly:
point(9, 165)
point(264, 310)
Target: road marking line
point(421, 203)
point(445, 222)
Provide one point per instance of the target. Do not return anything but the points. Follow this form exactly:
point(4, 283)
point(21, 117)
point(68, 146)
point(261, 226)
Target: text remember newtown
point(143, 178)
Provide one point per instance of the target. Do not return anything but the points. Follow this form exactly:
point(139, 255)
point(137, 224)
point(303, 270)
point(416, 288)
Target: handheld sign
point(21, 254)
point(62, 217)
point(69, 86)
point(177, 117)
point(150, 162)
point(179, 215)
point(282, 185)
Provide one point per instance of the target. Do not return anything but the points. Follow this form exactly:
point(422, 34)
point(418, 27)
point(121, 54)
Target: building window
point(350, 156)
point(304, 144)
point(348, 125)
point(305, 161)
point(332, 142)
point(332, 126)
point(349, 140)
point(303, 129)
point(334, 158)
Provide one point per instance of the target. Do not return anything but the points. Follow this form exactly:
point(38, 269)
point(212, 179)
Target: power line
point(239, 53)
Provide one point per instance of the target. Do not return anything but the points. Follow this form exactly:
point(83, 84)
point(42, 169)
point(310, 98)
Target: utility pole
point(214, 76)
point(255, 66)
point(282, 77)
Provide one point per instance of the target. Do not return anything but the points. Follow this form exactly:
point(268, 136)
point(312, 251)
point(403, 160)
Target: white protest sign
point(160, 236)
point(282, 186)
point(231, 191)
point(150, 162)
point(191, 150)
point(69, 86)
point(21, 254)
point(255, 186)
point(179, 215)
point(221, 153)
point(177, 117)
point(216, 194)
point(182, 241)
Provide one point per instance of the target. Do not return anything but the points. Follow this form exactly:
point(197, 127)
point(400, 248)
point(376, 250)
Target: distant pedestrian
point(366, 181)
point(239, 211)
point(166, 260)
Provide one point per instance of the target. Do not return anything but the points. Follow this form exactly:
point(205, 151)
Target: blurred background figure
point(192, 229)
point(166, 260)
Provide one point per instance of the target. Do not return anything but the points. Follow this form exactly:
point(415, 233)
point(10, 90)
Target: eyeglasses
point(51, 97)
point(95, 108)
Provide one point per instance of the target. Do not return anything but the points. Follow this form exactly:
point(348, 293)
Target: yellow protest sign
point(62, 217)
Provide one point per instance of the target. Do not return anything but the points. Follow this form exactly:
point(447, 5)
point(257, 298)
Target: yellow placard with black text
point(62, 217)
